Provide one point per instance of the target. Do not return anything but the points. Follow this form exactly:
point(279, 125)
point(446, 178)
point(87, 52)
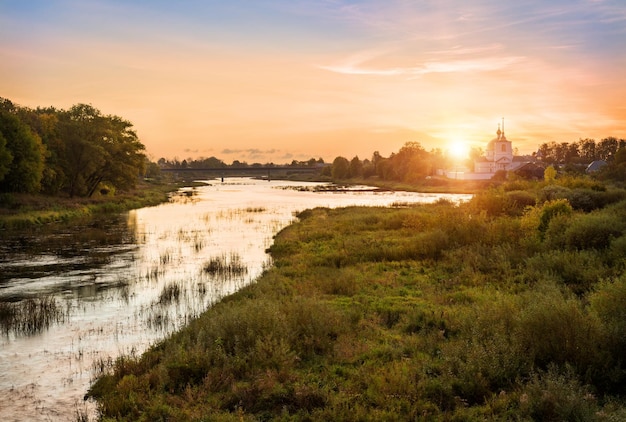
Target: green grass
point(433, 312)
point(22, 211)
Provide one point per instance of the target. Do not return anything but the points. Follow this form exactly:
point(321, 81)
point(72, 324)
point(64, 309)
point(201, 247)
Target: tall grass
point(225, 266)
point(31, 316)
point(482, 311)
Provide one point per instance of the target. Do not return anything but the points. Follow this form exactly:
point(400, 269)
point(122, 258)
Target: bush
point(551, 209)
point(556, 395)
point(493, 202)
point(593, 231)
point(554, 330)
point(519, 200)
point(607, 303)
point(579, 270)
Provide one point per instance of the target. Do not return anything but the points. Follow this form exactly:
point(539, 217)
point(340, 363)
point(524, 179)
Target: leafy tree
point(549, 174)
point(26, 167)
point(616, 169)
point(587, 148)
point(356, 167)
point(99, 149)
point(411, 163)
point(123, 156)
point(341, 168)
point(5, 158)
point(45, 123)
point(82, 130)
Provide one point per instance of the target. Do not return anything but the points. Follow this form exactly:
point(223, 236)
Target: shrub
point(551, 193)
point(579, 270)
point(607, 303)
point(593, 231)
point(551, 209)
point(493, 202)
point(556, 395)
point(554, 330)
point(519, 200)
point(554, 235)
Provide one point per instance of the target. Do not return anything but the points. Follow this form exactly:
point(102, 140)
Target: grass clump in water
point(226, 266)
point(31, 316)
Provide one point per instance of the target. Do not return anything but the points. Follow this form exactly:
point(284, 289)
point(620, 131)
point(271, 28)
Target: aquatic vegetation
point(170, 293)
point(225, 266)
point(31, 316)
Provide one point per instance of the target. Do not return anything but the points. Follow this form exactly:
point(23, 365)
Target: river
point(119, 284)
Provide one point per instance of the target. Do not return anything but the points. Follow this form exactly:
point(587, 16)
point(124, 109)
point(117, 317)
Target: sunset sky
point(278, 80)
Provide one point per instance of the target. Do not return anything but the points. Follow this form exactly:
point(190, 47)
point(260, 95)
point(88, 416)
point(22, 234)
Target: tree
point(82, 130)
point(99, 149)
point(123, 156)
point(411, 163)
point(5, 158)
point(26, 168)
point(549, 174)
point(356, 167)
point(616, 169)
point(341, 168)
point(587, 149)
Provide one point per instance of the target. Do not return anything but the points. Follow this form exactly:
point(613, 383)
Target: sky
point(281, 80)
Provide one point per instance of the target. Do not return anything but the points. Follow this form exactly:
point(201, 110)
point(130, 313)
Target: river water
point(117, 285)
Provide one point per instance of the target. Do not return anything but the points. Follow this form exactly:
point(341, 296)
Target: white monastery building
point(498, 156)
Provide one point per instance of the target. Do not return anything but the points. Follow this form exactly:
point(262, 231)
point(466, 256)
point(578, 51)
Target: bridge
point(244, 171)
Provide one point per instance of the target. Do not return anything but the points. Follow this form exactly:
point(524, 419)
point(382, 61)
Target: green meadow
point(509, 307)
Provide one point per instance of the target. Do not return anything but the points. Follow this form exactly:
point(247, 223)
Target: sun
point(458, 149)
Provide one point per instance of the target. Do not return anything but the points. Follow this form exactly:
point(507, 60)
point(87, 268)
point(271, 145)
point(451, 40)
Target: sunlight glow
point(458, 149)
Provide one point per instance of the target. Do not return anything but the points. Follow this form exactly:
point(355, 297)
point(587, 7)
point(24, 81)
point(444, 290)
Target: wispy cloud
point(352, 67)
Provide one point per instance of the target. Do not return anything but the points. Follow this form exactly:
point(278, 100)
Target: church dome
point(500, 137)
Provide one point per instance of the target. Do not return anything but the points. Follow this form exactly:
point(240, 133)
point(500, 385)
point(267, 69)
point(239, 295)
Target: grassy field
point(508, 307)
point(20, 211)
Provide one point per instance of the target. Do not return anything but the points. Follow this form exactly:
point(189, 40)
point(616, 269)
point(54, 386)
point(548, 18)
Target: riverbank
point(19, 211)
point(483, 311)
point(430, 185)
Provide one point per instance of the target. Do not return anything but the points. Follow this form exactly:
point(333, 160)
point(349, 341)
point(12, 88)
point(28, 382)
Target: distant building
point(498, 156)
point(595, 166)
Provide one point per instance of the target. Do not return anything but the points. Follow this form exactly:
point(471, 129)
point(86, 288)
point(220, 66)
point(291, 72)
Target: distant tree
point(356, 167)
point(606, 148)
point(341, 168)
point(549, 174)
point(615, 170)
point(27, 165)
point(587, 148)
point(153, 170)
point(411, 163)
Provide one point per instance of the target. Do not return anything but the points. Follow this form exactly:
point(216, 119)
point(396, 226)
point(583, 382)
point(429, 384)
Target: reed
point(226, 266)
point(170, 293)
point(31, 316)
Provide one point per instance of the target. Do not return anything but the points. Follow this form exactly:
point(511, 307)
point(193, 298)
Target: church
point(498, 156)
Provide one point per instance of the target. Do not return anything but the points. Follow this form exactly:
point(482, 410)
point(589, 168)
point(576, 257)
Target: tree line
point(584, 151)
point(411, 164)
point(216, 163)
point(414, 163)
point(75, 152)
point(81, 151)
